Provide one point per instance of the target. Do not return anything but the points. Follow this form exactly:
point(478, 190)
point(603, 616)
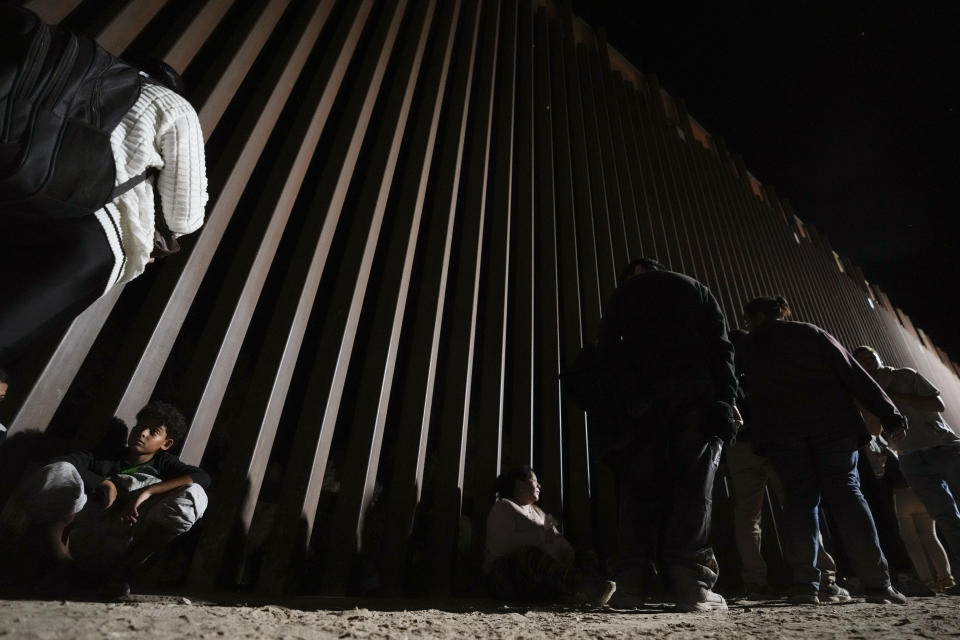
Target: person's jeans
point(666, 488)
point(811, 466)
point(934, 474)
point(750, 475)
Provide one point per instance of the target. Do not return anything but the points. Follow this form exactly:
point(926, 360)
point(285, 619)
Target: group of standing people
point(805, 400)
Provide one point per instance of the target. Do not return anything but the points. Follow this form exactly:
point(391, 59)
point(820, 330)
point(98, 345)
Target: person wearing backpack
point(56, 258)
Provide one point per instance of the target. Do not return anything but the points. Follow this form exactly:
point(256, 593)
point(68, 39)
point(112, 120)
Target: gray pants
point(98, 539)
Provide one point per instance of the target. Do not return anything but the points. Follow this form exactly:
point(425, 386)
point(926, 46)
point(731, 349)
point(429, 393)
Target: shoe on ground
point(831, 593)
point(884, 595)
point(758, 591)
point(707, 601)
point(911, 586)
point(952, 591)
point(941, 584)
point(803, 594)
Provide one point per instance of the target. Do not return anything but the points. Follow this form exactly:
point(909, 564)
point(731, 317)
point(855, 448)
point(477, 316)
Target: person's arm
point(182, 182)
point(170, 466)
point(130, 512)
point(722, 367)
point(863, 387)
point(84, 463)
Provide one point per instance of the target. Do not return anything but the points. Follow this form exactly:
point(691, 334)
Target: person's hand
point(107, 491)
point(130, 513)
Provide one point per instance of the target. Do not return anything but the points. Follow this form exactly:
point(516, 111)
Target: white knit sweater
point(161, 130)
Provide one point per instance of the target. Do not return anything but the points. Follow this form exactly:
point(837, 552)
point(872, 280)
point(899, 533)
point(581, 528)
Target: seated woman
point(526, 556)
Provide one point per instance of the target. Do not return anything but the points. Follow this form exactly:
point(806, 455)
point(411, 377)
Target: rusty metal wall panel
point(417, 211)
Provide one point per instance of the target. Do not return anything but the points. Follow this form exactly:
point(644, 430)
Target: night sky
point(849, 109)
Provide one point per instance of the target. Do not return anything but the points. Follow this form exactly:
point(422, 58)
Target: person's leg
point(641, 485)
point(748, 474)
point(163, 518)
point(907, 504)
point(686, 550)
point(800, 529)
point(839, 480)
point(529, 574)
point(51, 272)
point(930, 474)
point(931, 544)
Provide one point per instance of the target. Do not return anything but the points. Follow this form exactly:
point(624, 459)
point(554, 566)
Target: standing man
point(930, 453)
point(803, 388)
point(670, 332)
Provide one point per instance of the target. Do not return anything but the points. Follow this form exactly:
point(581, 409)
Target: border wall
point(416, 210)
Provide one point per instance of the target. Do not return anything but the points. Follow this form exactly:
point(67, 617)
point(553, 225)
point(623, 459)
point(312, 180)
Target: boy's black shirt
point(163, 465)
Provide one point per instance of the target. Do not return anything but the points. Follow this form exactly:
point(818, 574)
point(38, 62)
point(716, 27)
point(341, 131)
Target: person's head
point(159, 427)
point(4, 384)
point(761, 310)
point(161, 72)
point(520, 485)
point(868, 358)
point(638, 266)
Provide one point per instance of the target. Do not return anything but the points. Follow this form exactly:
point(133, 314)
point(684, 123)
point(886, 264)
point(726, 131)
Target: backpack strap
point(123, 187)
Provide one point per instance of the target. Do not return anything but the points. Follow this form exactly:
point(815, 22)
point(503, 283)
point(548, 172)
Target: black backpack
point(61, 95)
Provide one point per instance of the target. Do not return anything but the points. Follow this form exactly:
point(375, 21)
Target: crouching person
point(105, 518)
point(526, 556)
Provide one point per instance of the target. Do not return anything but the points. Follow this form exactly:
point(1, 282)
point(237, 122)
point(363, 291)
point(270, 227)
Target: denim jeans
point(934, 474)
point(666, 494)
point(825, 465)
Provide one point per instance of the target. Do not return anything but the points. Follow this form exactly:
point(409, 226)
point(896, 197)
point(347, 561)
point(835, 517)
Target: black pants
point(666, 484)
point(50, 271)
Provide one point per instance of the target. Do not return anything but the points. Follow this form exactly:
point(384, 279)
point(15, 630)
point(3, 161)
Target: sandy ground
point(173, 617)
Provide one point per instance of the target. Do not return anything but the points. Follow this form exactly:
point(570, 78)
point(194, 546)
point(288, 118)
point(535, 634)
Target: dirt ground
point(174, 617)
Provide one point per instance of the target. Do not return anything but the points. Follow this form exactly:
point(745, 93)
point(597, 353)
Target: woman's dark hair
point(168, 416)
point(649, 264)
point(772, 307)
point(161, 72)
point(507, 480)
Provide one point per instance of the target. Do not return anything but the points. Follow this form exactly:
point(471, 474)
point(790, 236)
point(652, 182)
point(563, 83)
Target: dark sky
point(849, 109)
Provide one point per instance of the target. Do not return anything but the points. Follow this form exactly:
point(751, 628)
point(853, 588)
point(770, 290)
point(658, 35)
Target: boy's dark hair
point(774, 307)
point(4, 377)
point(507, 480)
point(168, 415)
point(650, 264)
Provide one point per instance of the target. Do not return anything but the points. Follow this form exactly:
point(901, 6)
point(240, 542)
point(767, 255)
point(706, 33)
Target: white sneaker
point(708, 601)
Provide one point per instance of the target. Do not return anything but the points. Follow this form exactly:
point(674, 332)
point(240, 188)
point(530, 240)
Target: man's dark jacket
point(801, 381)
point(675, 335)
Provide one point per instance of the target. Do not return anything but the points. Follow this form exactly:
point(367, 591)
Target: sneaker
point(944, 583)
point(952, 591)
point(830, 592)
point(884, 595)
point(757, 591)
point(708, 601)
point(802, 594)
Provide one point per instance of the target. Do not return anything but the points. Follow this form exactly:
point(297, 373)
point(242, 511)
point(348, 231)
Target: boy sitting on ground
point(106, 517)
